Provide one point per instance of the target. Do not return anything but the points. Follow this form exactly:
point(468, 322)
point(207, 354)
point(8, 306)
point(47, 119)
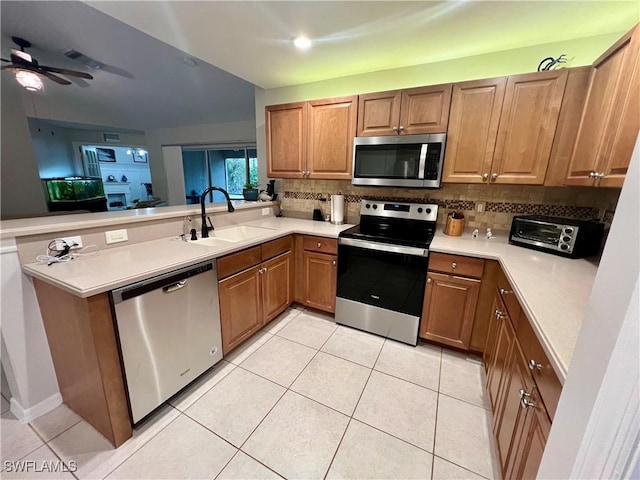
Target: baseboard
point(26, 415)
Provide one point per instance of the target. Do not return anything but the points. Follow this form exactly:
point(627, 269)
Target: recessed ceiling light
point(301, 42)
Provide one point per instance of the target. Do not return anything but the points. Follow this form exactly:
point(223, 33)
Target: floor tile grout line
point(80, 419)
point(465, 401)
point(458, 465)
point(435, 420)
point(145, 443)
point(168, 402)
point(226, 464)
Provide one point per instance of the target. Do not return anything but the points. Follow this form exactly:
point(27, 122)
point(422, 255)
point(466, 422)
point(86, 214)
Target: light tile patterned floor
point(304, 398)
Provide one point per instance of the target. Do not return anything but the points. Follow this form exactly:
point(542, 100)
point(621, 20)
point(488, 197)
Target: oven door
point(406, 161)
point(380, 288)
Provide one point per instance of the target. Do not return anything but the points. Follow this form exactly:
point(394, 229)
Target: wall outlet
point(480, 207)
point(266, 211)
point(74, 242)
point(115, 236)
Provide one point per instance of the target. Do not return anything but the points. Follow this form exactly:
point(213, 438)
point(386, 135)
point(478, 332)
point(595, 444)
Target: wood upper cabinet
point(473, 128)
point(240, 307)
point(286, 141)
point(527, 127)
point(404, 112)
point(611, 117)
point(449, 309)
point(332, 127)
point(311, 139)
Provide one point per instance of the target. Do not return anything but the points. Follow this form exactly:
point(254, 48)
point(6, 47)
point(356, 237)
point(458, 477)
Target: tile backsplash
point(501, 202)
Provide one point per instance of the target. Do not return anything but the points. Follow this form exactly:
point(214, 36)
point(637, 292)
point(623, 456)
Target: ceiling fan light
point(29, 80)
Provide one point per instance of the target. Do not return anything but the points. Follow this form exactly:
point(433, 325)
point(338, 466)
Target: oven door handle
point(384, 247)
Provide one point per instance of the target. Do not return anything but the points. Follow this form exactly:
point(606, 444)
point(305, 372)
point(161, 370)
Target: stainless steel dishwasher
point(169, 331)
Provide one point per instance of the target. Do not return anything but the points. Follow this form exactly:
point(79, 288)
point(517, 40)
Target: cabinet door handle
point(262, 270)
point(593, 175)
point(494, 176)
point(485, 176)
point(394, 128)
point(428, 280)
point(533, 365)
point(454, 265)
point(499, 315)
point(333, 263)
point(401, 128)
point(505, 292)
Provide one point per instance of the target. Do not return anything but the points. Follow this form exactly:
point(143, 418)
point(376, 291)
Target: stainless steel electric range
point(382, 269)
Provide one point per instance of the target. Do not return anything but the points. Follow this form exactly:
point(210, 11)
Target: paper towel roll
point(337, 209)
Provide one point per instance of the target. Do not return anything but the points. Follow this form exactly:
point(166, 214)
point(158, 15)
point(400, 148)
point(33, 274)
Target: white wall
point(601, 337)
point(20, 187)
point(26, 356)
point(168, 184)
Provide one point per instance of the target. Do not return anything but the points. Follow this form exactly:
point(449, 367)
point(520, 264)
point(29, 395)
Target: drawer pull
point(525, 399)
point(533, 365)
point(499, 315)
point(319, 245)
point(454, 265)
point(333, 263)
point(505, 292)
point(428, 280)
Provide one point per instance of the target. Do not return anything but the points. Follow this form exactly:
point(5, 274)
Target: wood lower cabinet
point(311, 139)
point(277, 286)
point(240, 307)
point(255, 285)
point(521, 417)
point(404, 112)
point(451, 296)
point(449, 309)
point(316, 272)
point(611, 117)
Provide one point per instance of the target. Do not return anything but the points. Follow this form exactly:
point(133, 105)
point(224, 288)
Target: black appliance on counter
point(561, 236)
point(382, 269)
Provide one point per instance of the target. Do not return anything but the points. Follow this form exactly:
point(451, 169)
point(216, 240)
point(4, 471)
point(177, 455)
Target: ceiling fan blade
point(69, 73)
point(56, 79)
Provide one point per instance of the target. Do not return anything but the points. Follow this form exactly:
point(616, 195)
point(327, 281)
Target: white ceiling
point(146, 84)
point(252, 39)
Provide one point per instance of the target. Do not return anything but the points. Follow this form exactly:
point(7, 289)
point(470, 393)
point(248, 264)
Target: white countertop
point(552, 290)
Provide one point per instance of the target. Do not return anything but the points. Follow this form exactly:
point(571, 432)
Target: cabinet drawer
point(236, 262)
point(538, 363)
point(320, 244)
point(509, 297)
point(456, 264)
point(276, 247)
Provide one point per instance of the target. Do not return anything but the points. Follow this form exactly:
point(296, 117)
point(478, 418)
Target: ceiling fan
point(28, 70)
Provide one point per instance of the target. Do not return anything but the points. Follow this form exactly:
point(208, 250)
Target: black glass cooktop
point(411, 233)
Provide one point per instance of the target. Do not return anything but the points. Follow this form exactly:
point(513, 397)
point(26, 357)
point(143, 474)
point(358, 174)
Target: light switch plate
point(115, 236)
point(480, 207)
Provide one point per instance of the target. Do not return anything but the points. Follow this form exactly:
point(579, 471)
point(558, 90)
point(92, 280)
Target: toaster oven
point(560, 236)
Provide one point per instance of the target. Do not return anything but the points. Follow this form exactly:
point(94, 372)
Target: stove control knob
point(367, 206)
point(564, 247)
point(428, 211)
point(568, 230)
point(420, 210)
point(566, 238)
point(375, 206)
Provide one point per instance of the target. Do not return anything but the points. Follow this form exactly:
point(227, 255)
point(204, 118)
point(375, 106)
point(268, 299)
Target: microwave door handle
point(423, 160)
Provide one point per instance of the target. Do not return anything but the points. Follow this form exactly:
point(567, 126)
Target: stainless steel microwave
point(560, 236)
point(399, 160)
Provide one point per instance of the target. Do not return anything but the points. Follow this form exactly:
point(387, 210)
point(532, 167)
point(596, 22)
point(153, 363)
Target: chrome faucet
point(205, 229)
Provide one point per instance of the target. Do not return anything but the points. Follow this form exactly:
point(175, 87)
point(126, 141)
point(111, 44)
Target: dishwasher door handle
point(175, 286)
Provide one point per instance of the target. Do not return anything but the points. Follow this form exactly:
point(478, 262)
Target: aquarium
point(73, 189)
